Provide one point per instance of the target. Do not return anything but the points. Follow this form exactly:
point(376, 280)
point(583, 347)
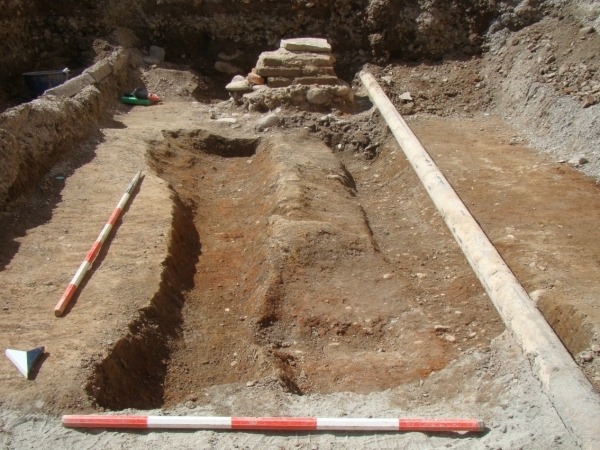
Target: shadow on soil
point(34, 208)
point(133, 374)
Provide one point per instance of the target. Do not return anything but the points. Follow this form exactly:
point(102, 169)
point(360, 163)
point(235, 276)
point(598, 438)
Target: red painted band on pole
point(91, 256)
point(275, 423)
point(441, 425)
point(114, 216)
point(93, 253)
point(105, 421)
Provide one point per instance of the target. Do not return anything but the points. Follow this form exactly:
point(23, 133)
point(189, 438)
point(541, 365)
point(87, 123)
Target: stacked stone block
point(300, 71)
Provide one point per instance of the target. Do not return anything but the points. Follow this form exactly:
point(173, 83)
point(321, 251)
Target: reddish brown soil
point(333, 311)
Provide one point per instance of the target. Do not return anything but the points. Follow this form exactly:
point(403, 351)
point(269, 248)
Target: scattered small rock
point(406, 97)
point(387, 276)
point(586, 356)
point(450, 338)
point(250, 383)
point(588, 101)
point(536, 295)
point(441, 328)
point(596, 348)
point(578, 160)
point(586, 30)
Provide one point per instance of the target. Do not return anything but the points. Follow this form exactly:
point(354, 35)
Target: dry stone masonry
point(300, 71)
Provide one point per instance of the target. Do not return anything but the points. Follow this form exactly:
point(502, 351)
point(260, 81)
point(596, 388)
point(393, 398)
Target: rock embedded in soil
point(270, 121)
point(157, 52)
point(317, 96)
point(227, 68)
point(579, 160)
point(588, 101)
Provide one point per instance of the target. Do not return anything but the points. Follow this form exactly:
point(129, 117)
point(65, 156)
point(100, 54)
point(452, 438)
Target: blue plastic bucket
point(39, 82)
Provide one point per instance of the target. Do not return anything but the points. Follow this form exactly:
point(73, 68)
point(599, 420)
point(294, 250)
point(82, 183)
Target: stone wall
point(33, 136)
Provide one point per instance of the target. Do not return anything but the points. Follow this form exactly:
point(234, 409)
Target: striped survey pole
point(93, 253)
point(273, 423)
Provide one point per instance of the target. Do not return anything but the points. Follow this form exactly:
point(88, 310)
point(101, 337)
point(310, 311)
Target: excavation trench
point(296, 284)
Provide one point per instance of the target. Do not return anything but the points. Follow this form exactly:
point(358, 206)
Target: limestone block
point(277, 82)
point(100, 70)
point(313, 71)
point(71, 87)
point(119, 60)
point(306, 44)
point(286, 58)
point(324, 80)
point(278, 71)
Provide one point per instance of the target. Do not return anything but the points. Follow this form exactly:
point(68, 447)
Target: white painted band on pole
point(574, 398)
point(189, 422)
point(83, 268)
point(104, 233)
point(93, 253)
point(358, 424)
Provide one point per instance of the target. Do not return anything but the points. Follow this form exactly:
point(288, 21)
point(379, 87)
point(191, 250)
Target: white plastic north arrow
point(24, 360)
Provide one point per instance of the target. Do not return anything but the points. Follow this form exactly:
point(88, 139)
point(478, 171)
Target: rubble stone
point(227, 68)
point(255, 78)
point(318, 96)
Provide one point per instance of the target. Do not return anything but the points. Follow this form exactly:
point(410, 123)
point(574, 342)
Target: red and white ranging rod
point(93, 253)
point(273, 423)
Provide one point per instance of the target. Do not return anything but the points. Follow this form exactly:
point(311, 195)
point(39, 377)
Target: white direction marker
point(24, 360)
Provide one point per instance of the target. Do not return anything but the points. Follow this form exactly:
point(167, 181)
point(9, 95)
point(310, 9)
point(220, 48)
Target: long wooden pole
point(574, 398)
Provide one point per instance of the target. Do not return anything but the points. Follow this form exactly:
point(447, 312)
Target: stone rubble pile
point(300, 71)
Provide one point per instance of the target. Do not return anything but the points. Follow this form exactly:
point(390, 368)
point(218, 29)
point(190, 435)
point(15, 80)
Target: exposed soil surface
point(329, 270)
point(289, 266)
point(297, 269)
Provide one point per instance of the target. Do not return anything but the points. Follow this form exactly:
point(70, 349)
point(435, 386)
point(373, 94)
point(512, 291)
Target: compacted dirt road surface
point(264, 273)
